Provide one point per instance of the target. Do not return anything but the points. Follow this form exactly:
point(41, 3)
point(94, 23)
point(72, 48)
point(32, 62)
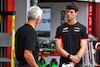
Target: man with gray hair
point(26, 44)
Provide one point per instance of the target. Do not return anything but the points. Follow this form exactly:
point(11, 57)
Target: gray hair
point(34, 12)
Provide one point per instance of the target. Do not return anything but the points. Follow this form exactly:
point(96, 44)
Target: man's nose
point(68, 13)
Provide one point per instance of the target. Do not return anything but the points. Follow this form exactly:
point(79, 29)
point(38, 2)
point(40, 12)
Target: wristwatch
point(68, 56)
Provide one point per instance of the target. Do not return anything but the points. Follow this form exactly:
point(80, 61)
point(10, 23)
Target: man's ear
point(76, 12)
point(38, 18)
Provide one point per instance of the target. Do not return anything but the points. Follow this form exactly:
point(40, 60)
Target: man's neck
point(32, 23)
point(71, 22)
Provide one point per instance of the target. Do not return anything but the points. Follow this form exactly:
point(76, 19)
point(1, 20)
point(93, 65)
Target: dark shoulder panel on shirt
point(81, 25)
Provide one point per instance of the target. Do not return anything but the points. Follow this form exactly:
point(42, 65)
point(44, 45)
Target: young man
point(26, 44)
point(73, 36)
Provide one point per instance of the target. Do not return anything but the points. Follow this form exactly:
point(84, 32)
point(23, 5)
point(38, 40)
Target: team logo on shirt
point(65, 29)
point(76, 29)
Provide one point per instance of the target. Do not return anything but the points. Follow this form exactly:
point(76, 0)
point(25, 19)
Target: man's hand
point(75, 58)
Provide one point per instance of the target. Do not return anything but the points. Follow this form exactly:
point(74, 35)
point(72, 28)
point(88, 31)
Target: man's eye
point(71, 12)
point(67, 11)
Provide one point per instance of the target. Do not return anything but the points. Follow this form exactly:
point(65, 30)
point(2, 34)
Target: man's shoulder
point(20, 28)
point(24, 29)
point(81, 25)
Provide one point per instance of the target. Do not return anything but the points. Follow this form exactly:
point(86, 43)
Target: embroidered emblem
point(65, 29)
point(76, 29)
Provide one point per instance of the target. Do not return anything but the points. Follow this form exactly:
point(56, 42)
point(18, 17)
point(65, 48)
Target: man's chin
point(69, 19)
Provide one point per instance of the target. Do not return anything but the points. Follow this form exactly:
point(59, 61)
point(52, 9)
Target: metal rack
point(5, 41)
point(8, 39)
point(88, 58)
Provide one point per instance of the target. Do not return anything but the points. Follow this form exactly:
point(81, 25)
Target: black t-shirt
point(71, 36)
point(26, 38)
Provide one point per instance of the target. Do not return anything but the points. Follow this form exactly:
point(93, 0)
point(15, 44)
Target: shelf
point(48, 49)
point(5, 39)
point(56, 54)
point(2, 59)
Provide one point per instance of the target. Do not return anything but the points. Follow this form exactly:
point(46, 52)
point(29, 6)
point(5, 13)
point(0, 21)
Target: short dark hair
point(72, 5)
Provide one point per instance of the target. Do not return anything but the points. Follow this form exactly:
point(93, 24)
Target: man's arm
point(30, 58)
point(59, 49)
point(82, 50)
point(64, 53)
